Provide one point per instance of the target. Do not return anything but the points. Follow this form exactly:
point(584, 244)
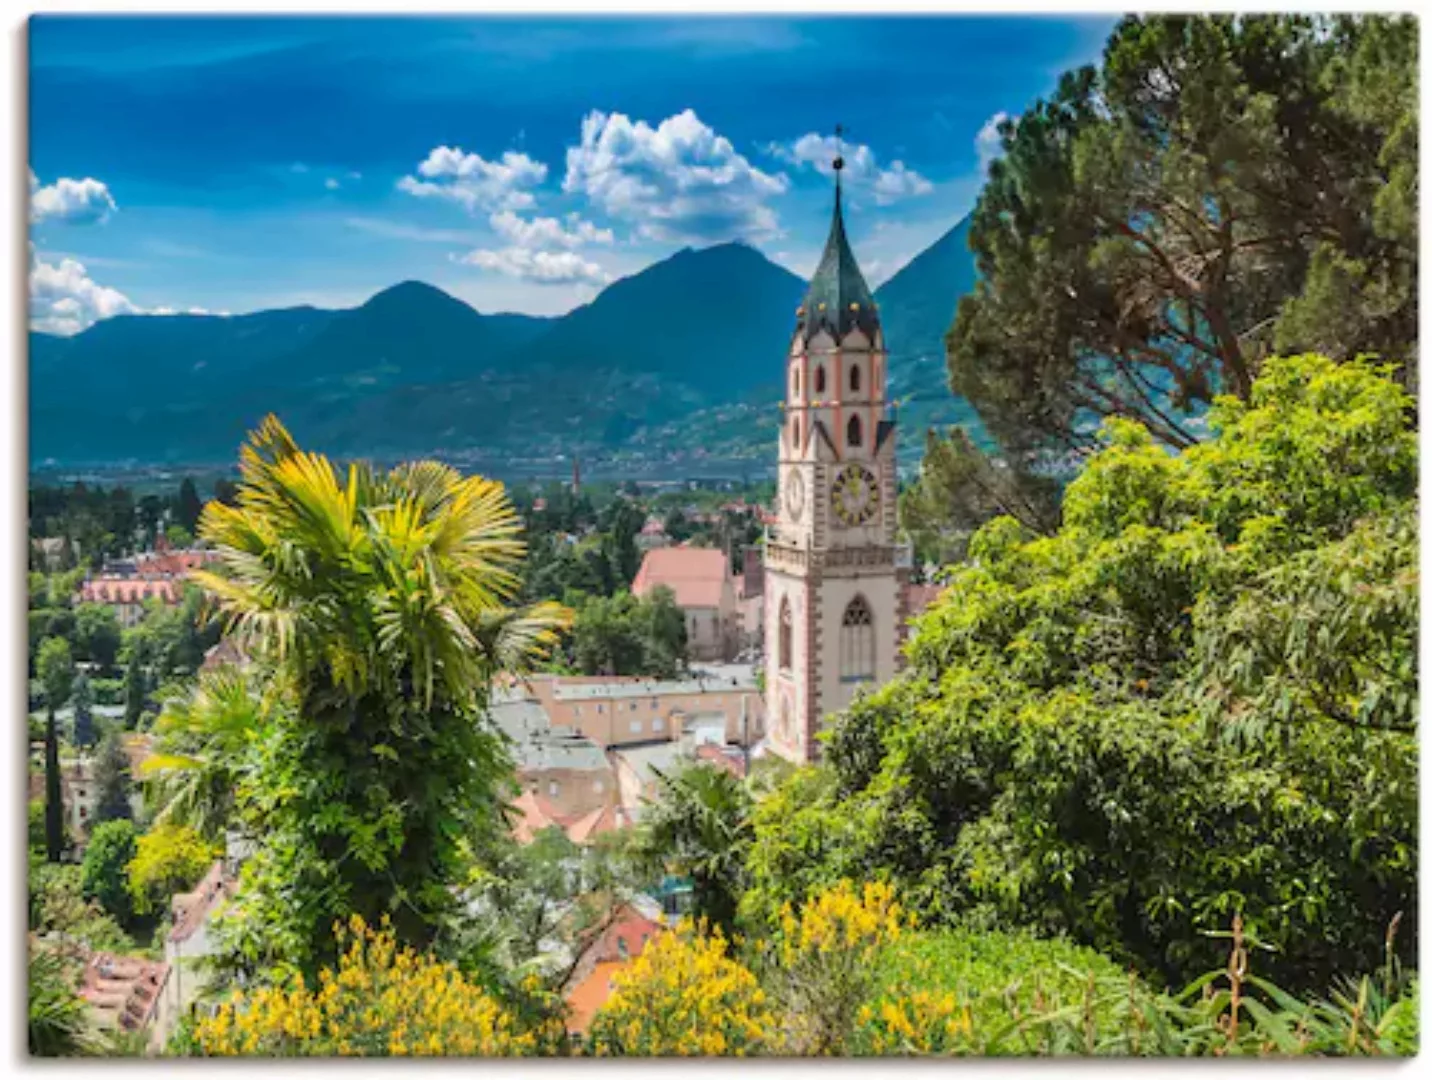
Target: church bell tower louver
point(835, 574)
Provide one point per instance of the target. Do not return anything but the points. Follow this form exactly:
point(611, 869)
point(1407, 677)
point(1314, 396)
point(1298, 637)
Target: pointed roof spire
point(838, 298)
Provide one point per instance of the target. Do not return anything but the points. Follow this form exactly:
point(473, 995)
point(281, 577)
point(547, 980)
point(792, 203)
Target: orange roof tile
point(696, 575)
point(589, 995)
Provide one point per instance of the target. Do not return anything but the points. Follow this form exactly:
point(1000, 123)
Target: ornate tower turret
point(834, 576)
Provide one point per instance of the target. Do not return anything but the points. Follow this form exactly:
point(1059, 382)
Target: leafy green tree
point(168, 859)
point(1195, 700)
point(82, 698)
point(381, 602)
point(661, 627)
point(699, 825)
point(105, 869)
point(112, 780)
point(1218, 188)
point(97, 635)
point(57, 674)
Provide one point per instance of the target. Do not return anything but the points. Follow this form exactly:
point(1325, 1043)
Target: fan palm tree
point(58, 1025)
point(381, 601)
point(699, 825)
point(202, 738)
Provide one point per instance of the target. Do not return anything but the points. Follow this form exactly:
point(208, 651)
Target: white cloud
point(987, 142)
point(681, 180)
point(80, 202)
point(548, 232)
point(474, 182)
point(331, 183)
point(862, 172)
point(400, 230)
point(542, 267)
point(65, 300)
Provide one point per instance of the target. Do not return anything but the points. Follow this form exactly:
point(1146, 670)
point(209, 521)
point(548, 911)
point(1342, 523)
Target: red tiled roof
point(604, 820)
point(534, 813)
point(696, 575)
point(129, 985)
point(717, 756)
point(919, 597)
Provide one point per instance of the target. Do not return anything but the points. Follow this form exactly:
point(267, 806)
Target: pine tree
point(82, 697)
point(56, 669)
point(134, 691)
point(111, 775)
point(190, 505)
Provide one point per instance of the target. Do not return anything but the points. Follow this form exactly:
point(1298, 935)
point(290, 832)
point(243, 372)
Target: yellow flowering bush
point(382, 1001)
point(826, 955)
point(684, 996)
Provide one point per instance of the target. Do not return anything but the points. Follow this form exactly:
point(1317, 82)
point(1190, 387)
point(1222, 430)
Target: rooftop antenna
point(839, 163)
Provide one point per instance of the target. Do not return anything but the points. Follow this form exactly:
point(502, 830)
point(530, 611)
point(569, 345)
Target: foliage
point(105, 869)
point(135, 689)
point(381, 602)
point(111, 779)
point(97, 635)
point(699, 825)
point(202, 740)
point(59, 909)
point(168, 859)
point(685, 996)
point(623, 635)
point(82, 699)
point(825, 961)
point(1220, 187)
point(57, 1024)
point(383, 1000)
point(56, 669)
point(960, 488)
point(1123, 733)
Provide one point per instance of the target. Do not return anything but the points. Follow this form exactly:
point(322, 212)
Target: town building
point(835, 573)
point(588, 749)
point(705, 591)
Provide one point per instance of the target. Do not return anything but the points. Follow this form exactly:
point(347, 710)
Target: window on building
point(576, 710)
point(622, 947)
point(852, 432)
point(598, 787)
point(857, 642)
point(783, 650)
point(795, 431)
point(633, 706)
point(553, 787)
point(601, 709)
point(820, 380)
point(854, 378)
point(657, 723)
point(636, 727)
point(795, 380)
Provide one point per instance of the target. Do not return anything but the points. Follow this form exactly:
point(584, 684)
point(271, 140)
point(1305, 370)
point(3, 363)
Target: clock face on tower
point(855, 495)
point(795, 494)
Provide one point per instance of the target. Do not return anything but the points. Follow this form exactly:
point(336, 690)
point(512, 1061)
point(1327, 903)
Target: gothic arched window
point(795, 380)
point(855, 378)
point(820, 379)
point(783, 649)
point(795, 432)
point(857, 642)
point(852, 432)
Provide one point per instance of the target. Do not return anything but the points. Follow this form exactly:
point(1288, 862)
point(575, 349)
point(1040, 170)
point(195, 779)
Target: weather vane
point(839, 162)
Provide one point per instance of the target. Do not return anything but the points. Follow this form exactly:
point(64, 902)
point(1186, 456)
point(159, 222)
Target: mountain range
point(677, 362)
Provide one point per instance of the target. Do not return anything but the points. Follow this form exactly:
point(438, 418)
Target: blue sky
point(232, 164)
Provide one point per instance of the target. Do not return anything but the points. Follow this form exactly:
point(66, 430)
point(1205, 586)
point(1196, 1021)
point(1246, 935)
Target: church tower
point(835, 574)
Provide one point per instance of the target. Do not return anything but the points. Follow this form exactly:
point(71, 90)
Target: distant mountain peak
point(411, 292)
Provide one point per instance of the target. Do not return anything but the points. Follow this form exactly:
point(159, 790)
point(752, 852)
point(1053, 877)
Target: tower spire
point(838, 298)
